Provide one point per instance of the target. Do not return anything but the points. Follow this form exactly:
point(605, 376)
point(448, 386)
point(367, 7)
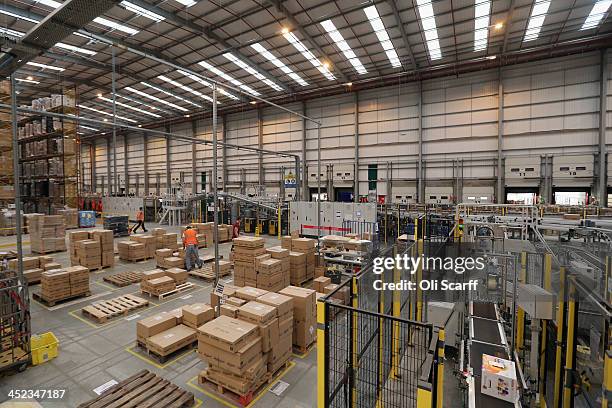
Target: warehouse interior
point(305, 203)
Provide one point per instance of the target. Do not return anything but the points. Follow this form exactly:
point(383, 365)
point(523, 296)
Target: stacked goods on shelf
point(71, 217)
point(59, 284)
point(131, 251)
point(306, 246)
point(282, 255)
point(297, 261)
point(246, 249)
point(232, 348)
point(116, 223)
point(47, 233)
point(33, 267)
point(283, 346)
point(149, 241)
point(158, 286)
point(197, 314)
point(7, 222)
point(269, 273)
point(304, 315)
point(92, 249)
point(179, 275)
point(7, 190)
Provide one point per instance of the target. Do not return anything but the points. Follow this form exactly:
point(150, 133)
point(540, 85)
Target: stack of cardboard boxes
point(269, 273)
point(159, 233)
point(59, 284)
point(197, 314)
point(304, 315)
point(165, 258)
point(47, 233)
point(282, 255)
point(34, 266)
point(170, 241)
point(232, 349)
point(71, 217)
point(282, 348)
point(149, 242)
point(306, 246)
point(246, 249)
point(167, 332)
point(178, 274)
point(297, 261)
point(92, 249)
point(157, 285)
point(131, 251)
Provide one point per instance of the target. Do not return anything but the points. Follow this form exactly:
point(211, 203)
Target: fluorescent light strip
point(208, 84)
point(278, 63)
point(29, 81)
point(186, 88)
point(11, 33)
point(252, 71)
point(18, 16)
point(89, 128)
point(598, 12)
point(141, 11)
point(125, 105)
point(536, 20)
point(348, 52)
point(106, 113)
point(142, 103)
point(229, 78)
point(298, 45)
point(43, 66)
point(187, 3)
point(428, 21)
point(154, 98)
point(383, 36)
point(180, 98)
point(482, 14)
point(75, 49)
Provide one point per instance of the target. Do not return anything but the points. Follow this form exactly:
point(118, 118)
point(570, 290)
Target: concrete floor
point(91, 354)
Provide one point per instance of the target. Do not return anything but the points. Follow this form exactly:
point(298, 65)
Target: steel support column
point(17, 184)
point(145, 162)
point(126, 174)
point(194, 157)
point(603, 108)
point(225, 173)
point(92, 159)
point(215, 184)
point(168, 164)
point(500, 142)
point(260, 176)
point(356, 175)
point(420, 186)
point(108, 166)
point(305, 190)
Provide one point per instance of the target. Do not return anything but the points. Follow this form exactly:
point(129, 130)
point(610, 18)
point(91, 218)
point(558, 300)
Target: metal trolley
point(15, 328)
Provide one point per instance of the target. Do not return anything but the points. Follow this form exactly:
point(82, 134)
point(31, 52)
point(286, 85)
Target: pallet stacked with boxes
point(33, 267)
point(269, 273)
point(282, 348)
point(282, 255)
point(304, 316)
point(71, 217)
point(47, 233)
point(165, 258)
point(149, 242)
point(246, 249)
point(131, 251)
point(306, 246)
point(60, 284)
point(92, 249)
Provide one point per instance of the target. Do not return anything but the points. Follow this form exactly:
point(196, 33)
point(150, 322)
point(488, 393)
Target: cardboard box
point(228, 334)
point(255, 312)
point(197, 314)
point(239, 384)
point(286, 242)
point(278, 252)
point(499, 378)
point(179, 275)
point(152, 274)
point(229, 310)
point(227, 291)
point(153, 325)
point(249, 293)
point(304, 302)
point(236, 362)
point(235, 301)
point(282, 303)
point(249, 242)
point(171, 340)
point(318, 284)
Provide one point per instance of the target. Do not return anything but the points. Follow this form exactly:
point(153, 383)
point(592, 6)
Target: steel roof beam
point(400, 25)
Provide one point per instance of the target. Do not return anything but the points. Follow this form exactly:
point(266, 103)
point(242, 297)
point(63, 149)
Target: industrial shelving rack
point(7, 189)
point(50, 159)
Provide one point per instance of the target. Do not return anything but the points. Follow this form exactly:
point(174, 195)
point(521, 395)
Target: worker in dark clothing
point(236, 228)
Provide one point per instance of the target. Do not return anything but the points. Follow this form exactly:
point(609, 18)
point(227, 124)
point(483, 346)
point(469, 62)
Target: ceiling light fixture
point(111, 24)
point(231, 57)
point(383, 37)
point(180, 98)
point(18, 16)
point(141, 11)
point(482, 15)
point(44, 66)
point(536, 20)
point(298, 45)
point(75, 49)
point(278, 63)
point(499, 26)
point(29, 80)
point(125, 105)
point(229, 78)
point(348, 52)
point(186, 88)
point(208, 84)
point(428, 22)
point(155, 98)
point(187, 3)
point(598, 12)
point(105, 113)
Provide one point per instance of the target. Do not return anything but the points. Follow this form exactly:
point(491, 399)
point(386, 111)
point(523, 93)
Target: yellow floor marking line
point(106, 286)
point(229, 404)
point(118, 319)
point(154, 363)
point(73, 302)
point(306, 354)
point(14, 245)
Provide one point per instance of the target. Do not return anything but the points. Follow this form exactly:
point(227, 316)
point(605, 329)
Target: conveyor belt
point(477, 349)
point(484, 310)
point(485, 330)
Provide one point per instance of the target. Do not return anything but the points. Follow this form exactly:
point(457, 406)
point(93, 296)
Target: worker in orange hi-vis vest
point(236, 228)
point(190, 244)
point(140, 219)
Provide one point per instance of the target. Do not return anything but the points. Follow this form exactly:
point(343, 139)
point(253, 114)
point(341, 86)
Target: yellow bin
point(44, 347)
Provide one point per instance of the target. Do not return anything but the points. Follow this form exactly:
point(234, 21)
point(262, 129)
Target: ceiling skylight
point(323, 68)
point(186, 88)
point(125, 105)
point(187, 3)
point(270, 57)
point(155, 98)
point(208, 84)
point(482, 14)
point(106, 113)
point(229, 78)
point(383, 36)
point(44, 66)
point(430, 30)
point(335, 35)
point(598, 12)
point(252, 71)
point(29, 81)
point(75, 49)
point(538, 14)
point(180, 98)
point(141, 11)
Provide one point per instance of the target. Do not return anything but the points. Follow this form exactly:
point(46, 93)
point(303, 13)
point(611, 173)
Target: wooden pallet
point(47, 252)
point(51, 303)
point(303, 350)
point(226, 394)
point(179, 288)
point(99, 268)
point(207, 272)
point(124, 278)
point(134, 260)
point(102, 311)
point(162, 358)
point(143, 389)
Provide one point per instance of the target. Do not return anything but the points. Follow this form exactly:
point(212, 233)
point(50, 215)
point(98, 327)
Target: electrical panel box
point(570, 167)
point(478, 194)
point(522, 171)
point(343, 175)
point(312, 175)
point(439, 195)
point(403, 195)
